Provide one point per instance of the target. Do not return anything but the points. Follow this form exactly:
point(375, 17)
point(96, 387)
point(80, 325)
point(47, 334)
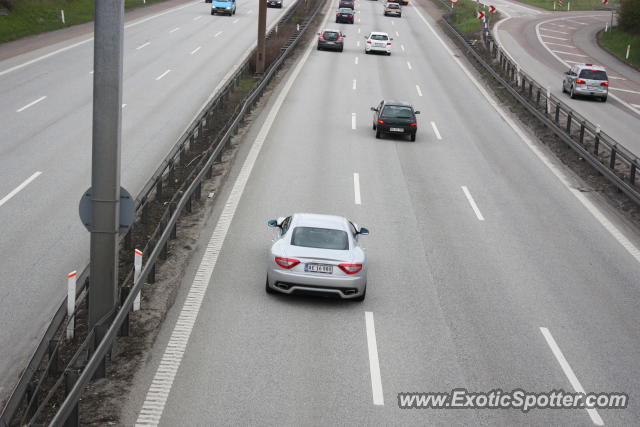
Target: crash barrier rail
point(25, 398)
point(610, 158)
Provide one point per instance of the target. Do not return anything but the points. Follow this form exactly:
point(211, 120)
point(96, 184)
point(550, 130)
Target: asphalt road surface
point(487, 269)
point(173, 61)
point(546, 44)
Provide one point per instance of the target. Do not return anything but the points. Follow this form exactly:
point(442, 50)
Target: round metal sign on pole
point(127, 210)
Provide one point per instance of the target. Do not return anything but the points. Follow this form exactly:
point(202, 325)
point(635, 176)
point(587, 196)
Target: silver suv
point(586, 80)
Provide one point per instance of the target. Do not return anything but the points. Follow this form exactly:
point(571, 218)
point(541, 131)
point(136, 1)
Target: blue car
point(227, 7)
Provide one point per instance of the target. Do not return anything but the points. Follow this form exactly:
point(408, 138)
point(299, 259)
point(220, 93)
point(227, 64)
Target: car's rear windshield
point(397, 111)
point(393, 6)
point(324, 238)
point(345, 10)
point(330, 35)
point(379, 37)
point(593, 74)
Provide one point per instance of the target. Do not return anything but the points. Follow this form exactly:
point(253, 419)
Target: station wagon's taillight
point(368, 41)
point(381, 121)
point(580, 82)
point(287, 263)
point(388, 43)
point(351, 268)
point(604, 84)
point(413, 124)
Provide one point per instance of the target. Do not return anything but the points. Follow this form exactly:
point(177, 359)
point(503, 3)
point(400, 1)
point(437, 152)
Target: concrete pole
point(105, 167)
point(262, 30)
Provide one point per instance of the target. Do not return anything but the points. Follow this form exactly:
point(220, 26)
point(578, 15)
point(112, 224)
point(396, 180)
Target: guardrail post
point(144, 218)
point(189, 208)
point(165, 246)
point(159, 188)
point(531, 89)
point(596, 143)
point(152, 274)
point(174, 229)
point(632, 173)
point(54, 359)
point(557, 113)
point(199, 191)
point(172, 172)
point(70, 378)
point(538, 97)
point(124, 328)
point(582, 133)
point(100, 331)
point(612, 160)
point(128, 238)
point(569, 117)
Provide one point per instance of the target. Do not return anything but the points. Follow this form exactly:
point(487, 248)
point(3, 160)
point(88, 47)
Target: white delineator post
point(62, 15)
point(548, 106)
point(628, 49)
point(71, 302)
point(137, 268)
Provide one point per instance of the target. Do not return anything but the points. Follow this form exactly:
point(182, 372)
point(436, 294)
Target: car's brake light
point(604, 84)
point(351, 268)
point(321, 36)
point(350, 16)
point(589, 65)
point(368, 41)
point(388, 43)
point(381, 121)
point(413, 124)
point(580, 82)
point(287, 263)
point(339, 38)
point(337, 15)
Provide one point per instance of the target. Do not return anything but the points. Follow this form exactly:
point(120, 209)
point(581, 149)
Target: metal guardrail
point(614, 161)
point(26, 392)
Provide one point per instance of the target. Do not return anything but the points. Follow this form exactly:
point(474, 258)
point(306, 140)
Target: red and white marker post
point(71, 303)
point(137, 268)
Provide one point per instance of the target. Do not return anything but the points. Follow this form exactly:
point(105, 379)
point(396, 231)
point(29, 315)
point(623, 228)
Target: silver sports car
point(317, 254)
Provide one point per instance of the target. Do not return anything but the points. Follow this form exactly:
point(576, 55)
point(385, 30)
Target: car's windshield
point(379, 37)
point(397, 111)
point(593, 74)
point(330, 35)
point(324, 238)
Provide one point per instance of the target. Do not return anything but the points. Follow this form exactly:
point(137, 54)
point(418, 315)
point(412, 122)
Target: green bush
point(629, 17)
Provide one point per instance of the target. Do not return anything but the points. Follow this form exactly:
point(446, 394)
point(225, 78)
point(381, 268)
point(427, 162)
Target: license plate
point(594, 87)
point(380, 44)
point(396, 130)
point(318, 268)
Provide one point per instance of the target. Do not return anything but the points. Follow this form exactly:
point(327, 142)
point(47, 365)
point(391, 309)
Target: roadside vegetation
point(21, 18)
point(574, 4)
point(626, 33)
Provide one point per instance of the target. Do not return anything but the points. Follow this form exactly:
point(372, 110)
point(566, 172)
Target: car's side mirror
point(363, 231)
point(568, 73)
point(374, 109)
point(272, 223)
point(365, 37)
point(390, 38)
point(416, 112)
point(319, 33)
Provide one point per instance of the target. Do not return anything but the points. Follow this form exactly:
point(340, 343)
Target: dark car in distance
point(274, 3)
point(396, 118)
point(331, 39)
point(346, 4)
point(344, 15)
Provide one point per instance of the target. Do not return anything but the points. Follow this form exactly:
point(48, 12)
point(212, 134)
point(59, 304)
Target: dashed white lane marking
point(569, 53)
point(356, 188)
point(356, 60)
point(402, 47)
point(174, 30)
point(435, 130)
point(31, 104)
point(195, 50)
point(91, 72)
point(358, 30)
point(397, 34)
point(354, 84)
point(472, 203)
point(571, 376)
point(408, 64)
point(197, 17)
point(358, 43)
point(162, 75)
point(561, 44)
point(19, 188)
point(418, 90)
point(160, 387)
point(393, 23)
point(552, 37)
point(143, 45)
point(217, 34)
point(236, 21)
point(124, 105)
point(592, 208)
point(359, 20)
point(374, 363)
point(353, 121)
point(553, 31)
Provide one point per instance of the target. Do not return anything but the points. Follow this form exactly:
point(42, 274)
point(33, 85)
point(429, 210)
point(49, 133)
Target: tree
point(629, 16)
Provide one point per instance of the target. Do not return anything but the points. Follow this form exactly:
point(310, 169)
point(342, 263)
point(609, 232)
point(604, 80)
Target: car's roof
point(381, 33)
point(345, 9)
point(320, 220)
point(592, 67)
point(330, 29)
point(397, 103)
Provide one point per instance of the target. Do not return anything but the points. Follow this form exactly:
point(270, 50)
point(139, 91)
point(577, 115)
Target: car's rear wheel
point(341, 49)
point(603, 99)
point(378, 133)
point(388, 53)
point(361, 297)
point(212, 12)
point(573, 92)
point(268, 289)
point(413, 137)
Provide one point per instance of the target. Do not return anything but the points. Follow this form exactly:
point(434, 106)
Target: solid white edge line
point(374, 363)
point(565, 63)
point(571, 376)
point(19, 188)
point(472, 202)
point(31, 104)
point(435, 130)
point(356, 188)
point(590, 206)
point(80, 43)
point(160, 387)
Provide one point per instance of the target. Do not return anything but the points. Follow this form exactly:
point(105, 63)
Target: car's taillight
point(337, 15)
point(580, 82)
point(321, 37)
point(351, 268)
point(413, 124)
point(339, 38)
point(381, 121)
point(388, 43)
point(287, 263)
point(350, 16)
point(368, 41)
point(604, 84)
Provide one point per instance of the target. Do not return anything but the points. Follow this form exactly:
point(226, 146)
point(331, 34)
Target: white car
point(378, 42)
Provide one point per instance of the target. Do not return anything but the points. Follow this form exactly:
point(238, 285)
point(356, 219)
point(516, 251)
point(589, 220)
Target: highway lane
point(42, 235)
point(458, 295)
point(545, 50)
